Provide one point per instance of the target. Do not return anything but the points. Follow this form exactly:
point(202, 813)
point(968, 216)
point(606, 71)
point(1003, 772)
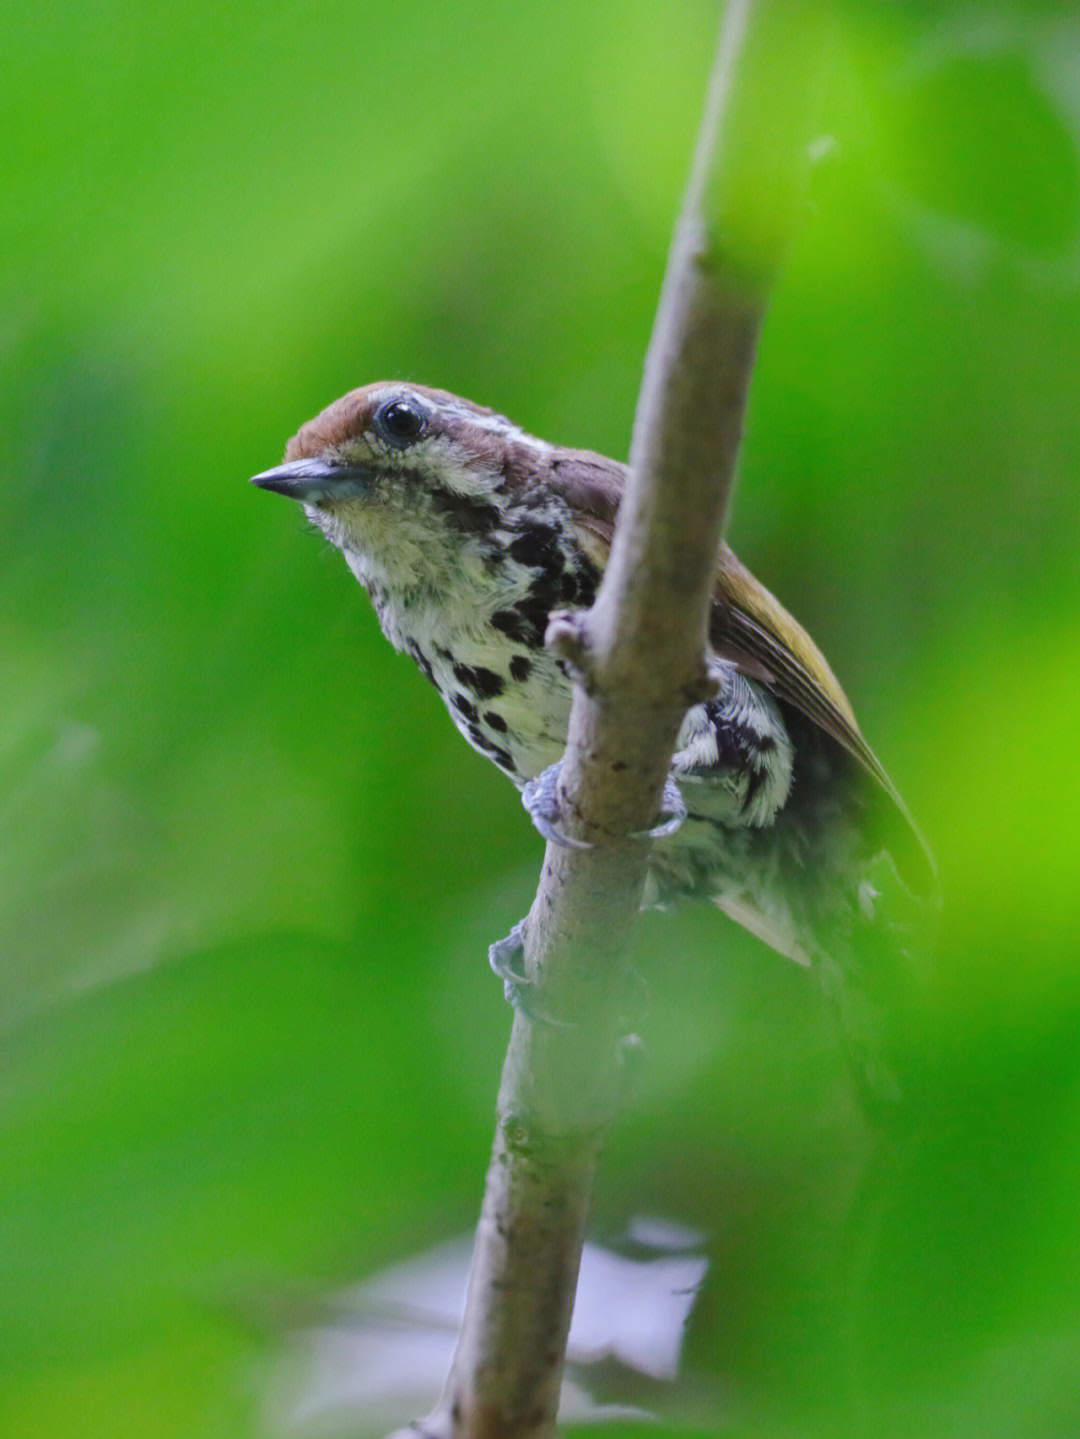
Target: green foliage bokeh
point(249, 870)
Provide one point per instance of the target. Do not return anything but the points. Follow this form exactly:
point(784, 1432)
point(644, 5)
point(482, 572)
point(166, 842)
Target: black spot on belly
point(512, 625)
point(486, 684)
point(526, 622)
point(536, 546)
point(491, 749)
point(421, 659)
point(520, 668)
point(464, 707)
point(756, 779)
point(495, 721)
point(584, 583)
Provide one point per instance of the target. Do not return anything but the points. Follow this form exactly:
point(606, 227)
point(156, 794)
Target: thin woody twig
point(641, 649)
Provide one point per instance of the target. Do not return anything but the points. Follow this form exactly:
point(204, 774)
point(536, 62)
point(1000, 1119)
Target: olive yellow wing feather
point(751, 628)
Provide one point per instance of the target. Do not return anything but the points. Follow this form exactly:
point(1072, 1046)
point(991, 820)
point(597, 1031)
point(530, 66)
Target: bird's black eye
point(400, 421)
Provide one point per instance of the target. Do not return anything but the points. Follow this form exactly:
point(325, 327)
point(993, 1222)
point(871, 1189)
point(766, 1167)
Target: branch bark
point(640, 654)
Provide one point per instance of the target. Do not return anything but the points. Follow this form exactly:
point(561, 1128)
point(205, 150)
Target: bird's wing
point(753, 630)
point(750, 627)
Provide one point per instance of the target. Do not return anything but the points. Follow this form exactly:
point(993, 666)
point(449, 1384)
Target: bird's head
point(404, 478)
point(421, 489)
point(390, 437)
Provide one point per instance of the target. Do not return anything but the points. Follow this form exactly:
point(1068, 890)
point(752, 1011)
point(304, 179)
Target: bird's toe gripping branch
point(505, 957)
point(672, 813)
point(541, 799)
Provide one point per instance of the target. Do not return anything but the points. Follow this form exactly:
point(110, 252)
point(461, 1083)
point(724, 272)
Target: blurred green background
point(250, 1044)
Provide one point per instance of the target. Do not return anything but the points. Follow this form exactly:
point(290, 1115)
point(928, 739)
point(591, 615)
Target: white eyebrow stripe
point(496, 424)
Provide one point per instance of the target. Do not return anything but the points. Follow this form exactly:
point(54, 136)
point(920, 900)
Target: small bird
point(467, 533)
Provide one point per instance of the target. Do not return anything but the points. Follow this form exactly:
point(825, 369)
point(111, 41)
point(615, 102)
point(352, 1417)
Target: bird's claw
point(672, 814)
point(541, 799)
point(505, 957)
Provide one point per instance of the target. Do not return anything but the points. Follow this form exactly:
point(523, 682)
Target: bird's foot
point(672, 813)
point(541, 799)
point(506, 958)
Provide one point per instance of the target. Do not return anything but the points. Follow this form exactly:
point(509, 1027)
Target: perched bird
point(467, 533)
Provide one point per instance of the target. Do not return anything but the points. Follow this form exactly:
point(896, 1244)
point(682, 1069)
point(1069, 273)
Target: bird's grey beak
point(312, 480)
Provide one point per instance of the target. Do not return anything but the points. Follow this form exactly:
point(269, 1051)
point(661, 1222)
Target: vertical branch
point(640, 656)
